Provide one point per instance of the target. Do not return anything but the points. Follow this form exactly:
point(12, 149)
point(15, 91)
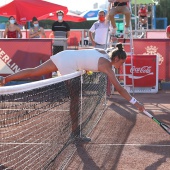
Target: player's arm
point(111, 75)
point(106, 67)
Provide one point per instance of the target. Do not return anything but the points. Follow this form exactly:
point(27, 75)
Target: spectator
point(12, 29)
point(60, 29)
point(36, 31)
point(142, 13)
point(168, 31)
point(100, 28)
point(119, 7)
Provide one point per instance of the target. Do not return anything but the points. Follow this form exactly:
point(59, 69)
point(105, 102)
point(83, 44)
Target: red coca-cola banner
point(159, 47)
point(144, 71)
point(18, 54)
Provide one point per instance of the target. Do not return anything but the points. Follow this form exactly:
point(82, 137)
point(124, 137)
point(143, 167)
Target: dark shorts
point(57, 49)
point(119, 4)
point(143, 17)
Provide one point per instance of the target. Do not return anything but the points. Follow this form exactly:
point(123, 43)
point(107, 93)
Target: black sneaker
point(79, 138)
point(83, 139)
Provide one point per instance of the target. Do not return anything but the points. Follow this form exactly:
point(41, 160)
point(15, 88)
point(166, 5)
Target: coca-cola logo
point(23, 19)
point(144, 69)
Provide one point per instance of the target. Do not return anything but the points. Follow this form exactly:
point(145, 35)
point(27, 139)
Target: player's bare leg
point(45, 68)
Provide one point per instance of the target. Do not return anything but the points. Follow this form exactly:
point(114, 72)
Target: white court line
point(13, 143)
point(128, 144)
point(34, 109)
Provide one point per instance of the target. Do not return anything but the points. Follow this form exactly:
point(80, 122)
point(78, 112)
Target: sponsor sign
point(159, 47)
point(143, 71)
point(18, 54)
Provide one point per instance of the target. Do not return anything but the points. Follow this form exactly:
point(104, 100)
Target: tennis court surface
point(126, 140)
point(37, 121)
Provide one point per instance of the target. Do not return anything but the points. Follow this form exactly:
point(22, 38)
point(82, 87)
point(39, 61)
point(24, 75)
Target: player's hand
point(139, 106)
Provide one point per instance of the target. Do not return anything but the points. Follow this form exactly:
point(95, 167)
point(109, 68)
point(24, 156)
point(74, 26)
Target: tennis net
point(37, 119)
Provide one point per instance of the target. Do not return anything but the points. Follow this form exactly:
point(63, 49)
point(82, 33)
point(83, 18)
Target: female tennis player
point(69, 61)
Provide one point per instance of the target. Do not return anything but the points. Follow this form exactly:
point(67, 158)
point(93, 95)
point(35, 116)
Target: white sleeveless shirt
point(69, 61)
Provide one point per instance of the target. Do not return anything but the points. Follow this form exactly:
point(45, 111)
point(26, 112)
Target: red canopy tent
point(25, 10)
point(67, 17)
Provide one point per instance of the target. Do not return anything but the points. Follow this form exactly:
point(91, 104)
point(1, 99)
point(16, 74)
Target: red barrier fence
point(17, 54)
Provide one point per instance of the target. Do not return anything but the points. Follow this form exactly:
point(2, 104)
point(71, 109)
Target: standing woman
point(12, 30)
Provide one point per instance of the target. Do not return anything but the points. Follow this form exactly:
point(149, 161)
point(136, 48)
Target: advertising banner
point(159, 47)
point(143, 73)
point(18, 54)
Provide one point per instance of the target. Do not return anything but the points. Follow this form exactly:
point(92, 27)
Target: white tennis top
point(69, 61)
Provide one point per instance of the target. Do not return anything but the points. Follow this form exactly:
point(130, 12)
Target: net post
point(105, 97)
point(81, 104)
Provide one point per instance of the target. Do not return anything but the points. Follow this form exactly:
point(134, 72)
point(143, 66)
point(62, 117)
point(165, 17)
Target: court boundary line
point(13, 143)
point(34, 109)
point(128, 144)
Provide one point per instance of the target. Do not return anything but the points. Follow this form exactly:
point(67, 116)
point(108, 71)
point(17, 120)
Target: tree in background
point(162, 10)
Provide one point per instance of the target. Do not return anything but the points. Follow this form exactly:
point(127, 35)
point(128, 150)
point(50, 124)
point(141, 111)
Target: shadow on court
point(164, 151)
point(4, 167)
point(127, 140)
point(107, 138)
point(88, 162)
